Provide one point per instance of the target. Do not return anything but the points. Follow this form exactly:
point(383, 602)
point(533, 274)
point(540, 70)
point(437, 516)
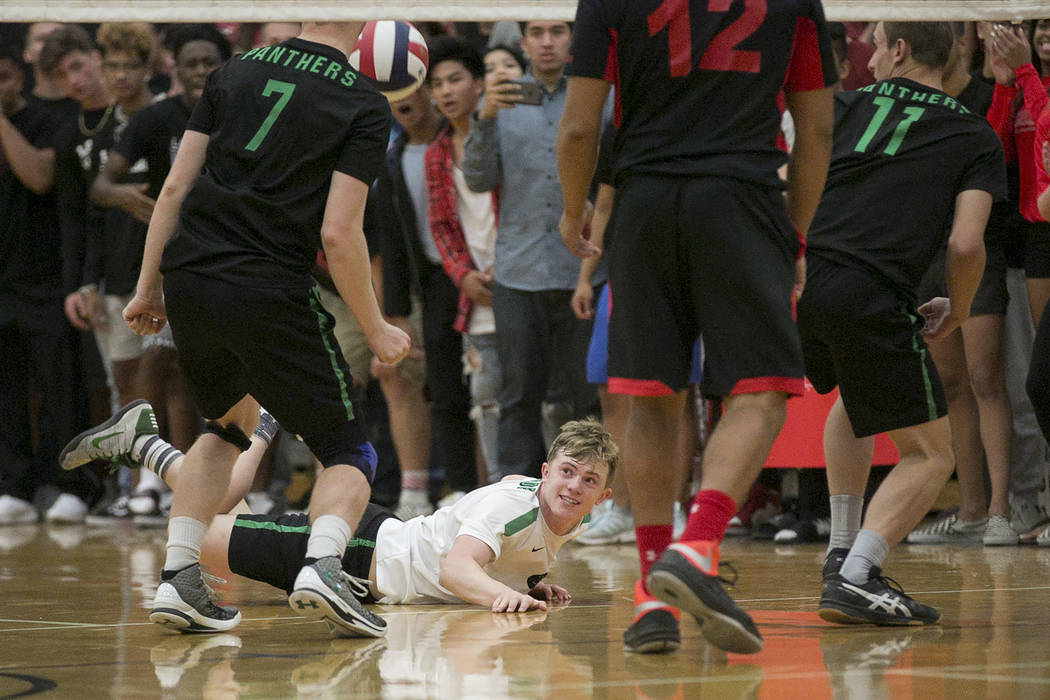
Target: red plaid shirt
point(445, 227)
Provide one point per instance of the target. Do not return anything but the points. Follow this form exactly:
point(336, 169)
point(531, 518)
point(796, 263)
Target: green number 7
point(272, 86)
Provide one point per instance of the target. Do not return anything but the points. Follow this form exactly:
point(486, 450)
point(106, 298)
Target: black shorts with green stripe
point(276, 344)
point(861, 335)
point(271, 548)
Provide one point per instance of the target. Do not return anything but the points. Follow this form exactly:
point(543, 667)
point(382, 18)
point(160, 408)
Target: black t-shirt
point(976, 96)
point(697, 93)
point(153, 135)
point(281, 120)
point(902, 153)
point(30, 244)
point(77, 162)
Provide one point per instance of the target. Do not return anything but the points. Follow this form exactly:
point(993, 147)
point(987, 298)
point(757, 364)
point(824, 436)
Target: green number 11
point(885, 104)
point(272, 86)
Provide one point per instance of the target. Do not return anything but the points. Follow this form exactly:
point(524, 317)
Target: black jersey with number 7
point(280, 119)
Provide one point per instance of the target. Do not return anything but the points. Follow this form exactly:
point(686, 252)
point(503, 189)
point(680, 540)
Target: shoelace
point(732, 570)
point(877, 575)
point(207, 578)
point(358, 585)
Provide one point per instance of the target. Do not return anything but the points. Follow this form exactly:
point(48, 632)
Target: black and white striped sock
point(157, 455)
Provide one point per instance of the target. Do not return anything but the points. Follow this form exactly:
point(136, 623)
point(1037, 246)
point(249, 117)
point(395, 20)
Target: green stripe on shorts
point(295, 530)
point(920, 349)
point(319, 310)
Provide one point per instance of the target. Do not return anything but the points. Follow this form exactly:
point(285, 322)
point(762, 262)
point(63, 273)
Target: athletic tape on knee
point(230, 433)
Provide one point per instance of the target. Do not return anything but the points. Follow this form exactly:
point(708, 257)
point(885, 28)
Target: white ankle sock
point(846, 513)
point(869, 550)
point(329, 535)
point(185, 536)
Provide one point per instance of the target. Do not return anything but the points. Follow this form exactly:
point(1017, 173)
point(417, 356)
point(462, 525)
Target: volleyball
point(393, 55)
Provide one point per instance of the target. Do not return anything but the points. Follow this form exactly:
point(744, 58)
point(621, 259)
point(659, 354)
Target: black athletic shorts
point(271, 549)
point(859, 335)
point(1036, 249)
point(275, 344)
point(712, 257)
point(991, 297)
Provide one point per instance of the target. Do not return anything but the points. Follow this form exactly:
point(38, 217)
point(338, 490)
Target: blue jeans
point(542, 350)
point(481, 365)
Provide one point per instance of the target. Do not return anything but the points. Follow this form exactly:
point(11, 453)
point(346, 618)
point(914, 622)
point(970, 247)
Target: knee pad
point(362, 457)
point(230, 433)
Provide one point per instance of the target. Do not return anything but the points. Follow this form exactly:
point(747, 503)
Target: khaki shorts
point(118, 343)
point(355, 347)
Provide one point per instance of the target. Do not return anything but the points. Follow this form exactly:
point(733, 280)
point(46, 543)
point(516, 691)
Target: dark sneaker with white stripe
point(879, 601)
point(686, 576)
point(323, 591)
point(184, 603)
point(654, 629)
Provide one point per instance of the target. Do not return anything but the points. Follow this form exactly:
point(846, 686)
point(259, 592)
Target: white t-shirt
point(478, 220)
point(505, 516)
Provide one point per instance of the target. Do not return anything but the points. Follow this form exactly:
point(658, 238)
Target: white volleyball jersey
point(505, 516)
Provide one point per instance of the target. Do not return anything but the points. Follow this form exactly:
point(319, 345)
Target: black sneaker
point(879, 601)
point(686, 576)
point(655, 626)
point(323, 591)
point(184, 603)
point(833, 562)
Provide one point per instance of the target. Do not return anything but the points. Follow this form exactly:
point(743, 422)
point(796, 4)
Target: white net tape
point(446, 10)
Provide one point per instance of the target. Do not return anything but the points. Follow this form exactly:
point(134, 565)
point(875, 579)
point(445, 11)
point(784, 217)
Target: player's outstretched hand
point(389, 343)
point(576, 233)
point(512, 601)
point(939, 319)
point(144, 315)
point(550, 593)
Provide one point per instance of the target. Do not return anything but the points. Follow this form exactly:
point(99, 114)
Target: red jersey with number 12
point(697, 81)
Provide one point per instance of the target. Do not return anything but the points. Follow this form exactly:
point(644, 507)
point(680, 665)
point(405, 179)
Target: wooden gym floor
point(73, 623)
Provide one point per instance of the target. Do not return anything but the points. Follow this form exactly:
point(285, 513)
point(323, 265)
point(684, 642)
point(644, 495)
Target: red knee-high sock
point(709, 516)
point(652, 540)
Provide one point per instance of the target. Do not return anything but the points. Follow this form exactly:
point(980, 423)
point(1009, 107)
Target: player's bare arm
point(965, 265)
point(106, 190)
point(346, 250)
point(145, 313)
point(577, 152)
point(463, 575)
point(1044, 204)
point(35, 167)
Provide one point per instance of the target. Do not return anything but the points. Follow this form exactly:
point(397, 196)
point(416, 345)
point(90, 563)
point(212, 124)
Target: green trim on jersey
point(521, 522)
point(931, 402)
point(344, 393)
point(529, 484)
point(295, 530)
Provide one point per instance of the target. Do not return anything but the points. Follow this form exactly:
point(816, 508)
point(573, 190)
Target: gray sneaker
point(947, 529)
point(323, 591)
point(1043, 538)
point(615, 525)
point(113, 439)
point(998, 533)
point(184, 603)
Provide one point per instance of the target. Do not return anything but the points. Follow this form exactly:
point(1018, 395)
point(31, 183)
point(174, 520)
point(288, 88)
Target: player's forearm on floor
point(467, 581)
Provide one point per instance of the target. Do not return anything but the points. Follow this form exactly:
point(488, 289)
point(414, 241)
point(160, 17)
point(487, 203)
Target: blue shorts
point(598, 350)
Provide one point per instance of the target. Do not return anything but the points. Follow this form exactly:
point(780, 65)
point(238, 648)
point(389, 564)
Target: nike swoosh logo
point(101, 438)
point(536, 549)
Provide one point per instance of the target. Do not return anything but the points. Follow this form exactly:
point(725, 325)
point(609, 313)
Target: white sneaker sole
point(169, 610)
point(314, 600)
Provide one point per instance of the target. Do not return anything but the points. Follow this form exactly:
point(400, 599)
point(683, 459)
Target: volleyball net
point(459, 10)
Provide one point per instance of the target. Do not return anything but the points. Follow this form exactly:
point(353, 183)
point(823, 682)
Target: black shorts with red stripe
point(712, 257)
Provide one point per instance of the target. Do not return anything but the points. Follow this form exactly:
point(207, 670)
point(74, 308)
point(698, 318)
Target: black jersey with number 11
point(281, 119)
point(901, 155)
point(697, 82)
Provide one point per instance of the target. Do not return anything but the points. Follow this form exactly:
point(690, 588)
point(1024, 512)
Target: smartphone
point(531, 92)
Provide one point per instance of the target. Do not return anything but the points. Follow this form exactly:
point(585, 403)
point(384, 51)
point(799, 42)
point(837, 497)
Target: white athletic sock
point(846, 513)
point(185, 536)
point(869, 550)
point(329, 535)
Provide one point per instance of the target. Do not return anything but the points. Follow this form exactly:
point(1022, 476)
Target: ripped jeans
point(481, 365)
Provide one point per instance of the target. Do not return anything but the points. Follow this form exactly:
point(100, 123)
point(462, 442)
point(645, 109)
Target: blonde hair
point(586, 441)
point(136, 38)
